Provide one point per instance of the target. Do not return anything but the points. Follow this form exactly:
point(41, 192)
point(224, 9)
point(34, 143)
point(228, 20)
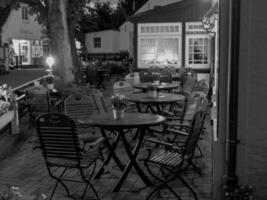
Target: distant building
point(121, 40)
point(173, 35)
point(23, 35)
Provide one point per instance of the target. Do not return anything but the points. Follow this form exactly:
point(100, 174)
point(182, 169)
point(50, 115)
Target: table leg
point(138, 107)
point(112, 154)
point(132, 162)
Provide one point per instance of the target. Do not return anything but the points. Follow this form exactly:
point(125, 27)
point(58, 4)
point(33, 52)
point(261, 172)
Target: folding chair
point(39, 102)
point(80, 107)
point(145, 76)
point(174, 159)
point(99, 101)
point(201, 88)
point(189, 79)
point(59, 143)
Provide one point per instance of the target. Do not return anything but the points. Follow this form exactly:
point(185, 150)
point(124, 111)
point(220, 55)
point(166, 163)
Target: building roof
point(102, 30)
point(4, 13)
point(158, 11)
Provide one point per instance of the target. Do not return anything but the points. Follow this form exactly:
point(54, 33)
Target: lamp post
point(50, 61)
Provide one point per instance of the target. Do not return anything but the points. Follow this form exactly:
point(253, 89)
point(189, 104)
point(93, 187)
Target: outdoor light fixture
point(210, 18)
point(50, 61)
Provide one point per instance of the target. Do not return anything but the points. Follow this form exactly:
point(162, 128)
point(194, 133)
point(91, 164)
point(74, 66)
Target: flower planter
point(118, 114)
point(6, 118)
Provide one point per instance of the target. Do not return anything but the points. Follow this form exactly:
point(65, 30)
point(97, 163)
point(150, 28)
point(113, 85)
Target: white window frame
point(159, 35)
point(192, 34)
point(24, 13)
point(99, 43)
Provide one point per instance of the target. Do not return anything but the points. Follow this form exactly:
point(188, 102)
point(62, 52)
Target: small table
point(155, 104)
point(161, 87)
point(141, 121)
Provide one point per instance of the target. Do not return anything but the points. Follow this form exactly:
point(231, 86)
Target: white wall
point(16, 28)
point(152, 3)
point(126, 37)
point(252, 107)
point(109, 41)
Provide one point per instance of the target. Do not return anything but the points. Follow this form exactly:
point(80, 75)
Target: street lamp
point(50, 61)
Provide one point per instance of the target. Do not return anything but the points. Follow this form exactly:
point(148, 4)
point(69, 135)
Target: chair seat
point(87, 159)
point(165, 157)
point(86, 138)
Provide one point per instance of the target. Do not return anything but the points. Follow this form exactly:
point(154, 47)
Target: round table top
point(130, 120)
point(160, 98)
point(161, 86)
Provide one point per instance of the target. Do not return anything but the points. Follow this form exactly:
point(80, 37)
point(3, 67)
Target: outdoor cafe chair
point(189, 79)
point(81, 107)
point(153, 69)
point(145, 76)
point(39, 102)
point(61, 150)
point(201, 88)
point(174, 127)
point(173, 160)
point(165, 77)
point(99, 102)
point(170, 69)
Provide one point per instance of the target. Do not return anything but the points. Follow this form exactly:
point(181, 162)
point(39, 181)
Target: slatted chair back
point(39, 101)
point(122, 88)
point(165, 77)
point(145, 76)
point(130, 78)
point(191, 107)
point(189, 79)
point(193, 137)
point(58, 140)
point(154, 69)
point(99, 101)
point(170, 69)
point(79, 106)
point(201, 88)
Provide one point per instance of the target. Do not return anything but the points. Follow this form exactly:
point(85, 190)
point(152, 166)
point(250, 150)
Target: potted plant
point(241, 193)
point(152, 89)
point(49, 80)
point(6, 105)
point(119, 103)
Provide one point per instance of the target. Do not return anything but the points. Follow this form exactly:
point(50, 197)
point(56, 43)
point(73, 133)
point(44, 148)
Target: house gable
point(189, 10)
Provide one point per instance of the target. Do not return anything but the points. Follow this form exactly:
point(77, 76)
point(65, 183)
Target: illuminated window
point(97, 42)
point(197, 46)
point(24, 13)
point(159, 44)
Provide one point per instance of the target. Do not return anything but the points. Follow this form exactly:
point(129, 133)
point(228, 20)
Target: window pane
point(159, 51)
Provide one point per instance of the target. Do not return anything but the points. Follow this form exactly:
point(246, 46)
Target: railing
point(20, 108)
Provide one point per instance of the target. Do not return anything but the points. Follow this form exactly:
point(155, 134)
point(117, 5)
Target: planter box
point(6, 118)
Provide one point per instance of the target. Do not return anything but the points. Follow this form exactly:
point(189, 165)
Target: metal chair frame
point(176, 159)
point(59, 143)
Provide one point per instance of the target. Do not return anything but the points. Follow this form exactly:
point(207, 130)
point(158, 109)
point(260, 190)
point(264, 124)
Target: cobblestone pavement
point(26, 169)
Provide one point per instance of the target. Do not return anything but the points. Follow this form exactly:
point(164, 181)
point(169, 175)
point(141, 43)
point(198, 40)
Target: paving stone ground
point(25, 168)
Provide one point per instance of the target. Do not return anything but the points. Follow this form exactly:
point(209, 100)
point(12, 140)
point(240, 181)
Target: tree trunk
point(61, 41)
